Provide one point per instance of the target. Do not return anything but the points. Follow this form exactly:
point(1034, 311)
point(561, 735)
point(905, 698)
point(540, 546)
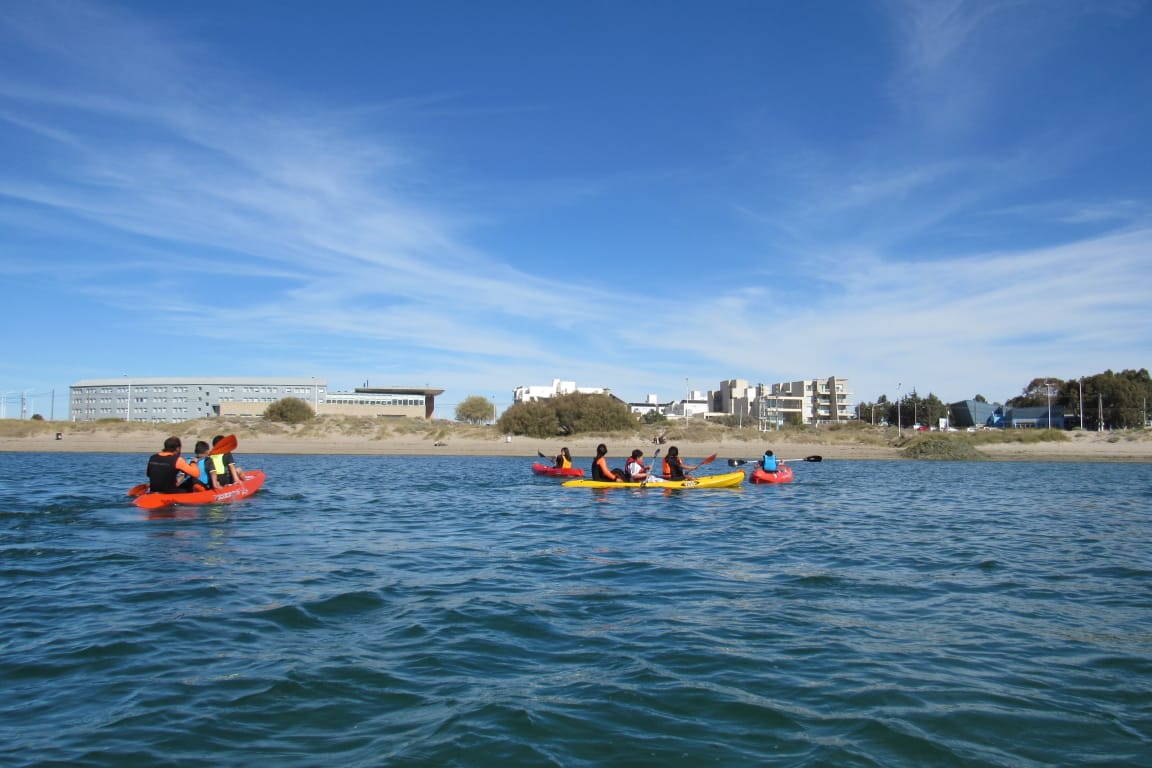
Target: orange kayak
point(253, 479)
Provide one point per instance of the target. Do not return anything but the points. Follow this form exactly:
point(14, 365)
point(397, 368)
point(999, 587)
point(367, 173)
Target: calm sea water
point(364, 611)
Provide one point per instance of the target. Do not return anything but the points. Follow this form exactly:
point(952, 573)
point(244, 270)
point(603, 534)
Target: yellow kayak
point(726, 480)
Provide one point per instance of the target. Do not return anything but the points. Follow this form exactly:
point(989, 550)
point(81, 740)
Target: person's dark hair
point(637, 453)
point(601, 450)
point(217, 439)
point(767, 453)
point(171, 444)
point(202, 447)
point(673, 451)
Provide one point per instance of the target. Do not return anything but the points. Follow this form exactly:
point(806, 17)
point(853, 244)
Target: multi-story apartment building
point(812, 401)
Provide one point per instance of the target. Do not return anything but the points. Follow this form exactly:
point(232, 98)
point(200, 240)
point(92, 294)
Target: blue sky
point(954, 196)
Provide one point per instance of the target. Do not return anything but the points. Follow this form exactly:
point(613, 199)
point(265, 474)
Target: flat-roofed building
point(810, 401)
point(157, 399)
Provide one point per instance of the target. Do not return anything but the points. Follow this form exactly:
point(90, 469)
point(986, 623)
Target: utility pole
point(899, 421)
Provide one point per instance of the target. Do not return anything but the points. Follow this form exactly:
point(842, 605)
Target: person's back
point(202, 475)
point(164, 466)
point(600, 470)
point(769, 462)
point(224, 466)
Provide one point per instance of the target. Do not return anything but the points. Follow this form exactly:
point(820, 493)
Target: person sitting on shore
point(674, 468)
point(563, 459)
point(600, 470)
point(163, 467)
point(769, 463)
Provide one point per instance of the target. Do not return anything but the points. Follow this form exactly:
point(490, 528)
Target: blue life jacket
point(768, 463)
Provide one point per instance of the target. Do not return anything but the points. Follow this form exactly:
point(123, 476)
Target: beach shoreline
point(1083, 447)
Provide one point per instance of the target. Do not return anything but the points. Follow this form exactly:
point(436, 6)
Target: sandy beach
point(1133, 446)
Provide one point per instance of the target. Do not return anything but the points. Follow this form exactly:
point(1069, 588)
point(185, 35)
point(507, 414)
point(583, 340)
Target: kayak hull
point(544, 469)
point(781, 475)
point(726, 480)
point(253, 480)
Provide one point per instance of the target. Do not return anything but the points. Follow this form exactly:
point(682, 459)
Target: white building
point(543, 392)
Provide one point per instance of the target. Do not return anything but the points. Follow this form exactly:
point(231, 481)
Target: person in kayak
point(635, 470)
point(202, 477)
point(769, 463)
point(224, 466)
point(563, 459)
point(165, 465)
point(600, 469)
point(674, 469)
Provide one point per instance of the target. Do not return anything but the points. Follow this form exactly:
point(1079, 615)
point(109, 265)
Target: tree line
point(1109, 400)
point(1106, 400)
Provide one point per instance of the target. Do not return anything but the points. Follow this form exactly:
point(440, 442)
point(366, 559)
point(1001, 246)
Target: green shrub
point(289, 410)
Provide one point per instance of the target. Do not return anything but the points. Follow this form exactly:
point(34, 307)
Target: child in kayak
point(769, 462)
point(563, 459)
point(600, 469)
point(635, 470)
point(201, 477)
point(224, 466)
point(674, 469)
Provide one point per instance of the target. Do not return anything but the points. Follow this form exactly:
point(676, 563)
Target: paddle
point(742, 462)
point(226, 445)
point(651, 469)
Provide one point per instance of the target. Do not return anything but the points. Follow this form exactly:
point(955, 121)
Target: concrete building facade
point(182, 399)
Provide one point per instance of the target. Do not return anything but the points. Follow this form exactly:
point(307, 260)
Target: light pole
point(899, 421)
point(1081, 403)
point(685, 401)
point(1048, 389)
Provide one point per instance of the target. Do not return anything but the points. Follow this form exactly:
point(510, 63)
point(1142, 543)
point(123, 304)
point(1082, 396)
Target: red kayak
point(782, 475)
point(253, 479)
point(544, 469)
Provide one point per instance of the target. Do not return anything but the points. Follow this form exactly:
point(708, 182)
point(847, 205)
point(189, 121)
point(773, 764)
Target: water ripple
point(447, 611)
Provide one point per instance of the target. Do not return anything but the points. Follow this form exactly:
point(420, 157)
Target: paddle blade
point(540, 453)
point(226, 445)
point(738, 462)
point(813, 458)
point(138, 490)
point(708, 460)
